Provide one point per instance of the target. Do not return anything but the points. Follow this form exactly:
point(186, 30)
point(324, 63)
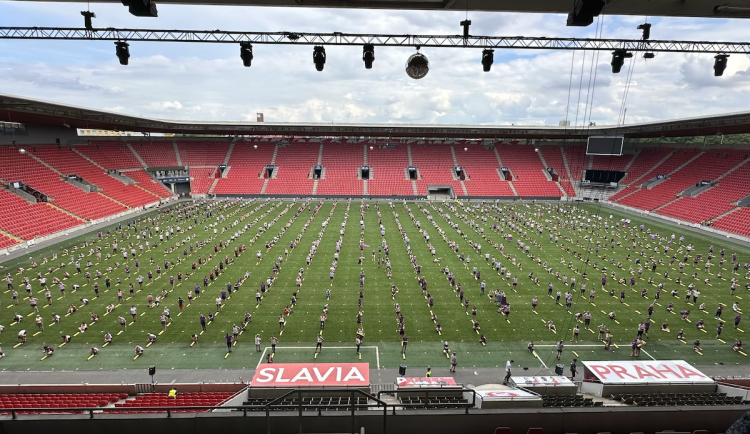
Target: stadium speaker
point(152, 370)
point(57, 141)
point(559, 369)
point(402, 370)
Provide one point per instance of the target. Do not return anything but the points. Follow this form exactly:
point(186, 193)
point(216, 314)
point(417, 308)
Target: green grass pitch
point(506, 339)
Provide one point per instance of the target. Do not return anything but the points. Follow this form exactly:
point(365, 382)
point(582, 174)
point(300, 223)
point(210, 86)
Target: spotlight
point(255, 146)
point(368, 55)
point(488, 56)
point(319, 57)
point(720, 64)
point(618, 59)
point(649, 55)
point(465, 24)
point(646, 27)
point(371, 148)
point(122, 51)
point(87, 16)
point(246, 53)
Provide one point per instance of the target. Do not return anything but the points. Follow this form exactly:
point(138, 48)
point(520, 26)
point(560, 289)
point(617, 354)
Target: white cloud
point(164, 106)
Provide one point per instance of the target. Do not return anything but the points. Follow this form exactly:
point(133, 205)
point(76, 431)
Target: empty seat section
point(15, 166)
point(110, 155)
point(577, 159)
point(481, 166)
point(341, 163)
point(388, 165)
point(246, 167)
point(614, 162)
point(716, 200)
point(26, 220)
point(736, 222)
point(69, 162)
point(435, 164)
point(528, 171)
point(201, 179)
point(145, 180)
point(202, 152)
point(6, 241)
point(55, 402)
point(641, 198)
point(187, 399)
point(554, 158)
point(294, 163)
point(645, 163)
point(159, 153)
point(648, 199)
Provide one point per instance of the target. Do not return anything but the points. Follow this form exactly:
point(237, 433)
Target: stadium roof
point(675, 8)
point(37, 112)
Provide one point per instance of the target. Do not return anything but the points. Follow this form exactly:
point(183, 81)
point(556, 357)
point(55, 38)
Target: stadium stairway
point(341, 163)
point(109, 155)
point(643, 198)
point(482, 170)
point(435, 167)
point(156, 153)
point(68, 161)
point(455, 163)
point(43, 177)
point(529, 177)
point(388, 170)
point(732, 186)
point(641, 167)
point(246, 165)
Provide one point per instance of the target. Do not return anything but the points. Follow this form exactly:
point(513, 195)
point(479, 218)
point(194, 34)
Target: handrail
point(426, 392)
point(351, 404)
point(267, 407)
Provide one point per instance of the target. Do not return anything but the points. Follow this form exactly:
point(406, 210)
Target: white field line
point(377, 352)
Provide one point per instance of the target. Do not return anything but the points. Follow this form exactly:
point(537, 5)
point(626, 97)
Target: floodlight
point(319, 57)
point(246, 53)
point(122, 51)
point(488, 57)
point(368, 55)
point(720, 64)
point(618, 59)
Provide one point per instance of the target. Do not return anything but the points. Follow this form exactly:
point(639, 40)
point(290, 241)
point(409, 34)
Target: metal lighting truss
point(338, 38)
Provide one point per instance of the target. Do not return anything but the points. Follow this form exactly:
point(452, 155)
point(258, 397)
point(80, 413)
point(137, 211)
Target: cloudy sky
point(208, 81)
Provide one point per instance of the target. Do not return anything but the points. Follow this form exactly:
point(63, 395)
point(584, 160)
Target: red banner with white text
point(311, 375)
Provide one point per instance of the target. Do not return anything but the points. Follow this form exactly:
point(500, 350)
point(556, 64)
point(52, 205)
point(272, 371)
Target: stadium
point(489, 277)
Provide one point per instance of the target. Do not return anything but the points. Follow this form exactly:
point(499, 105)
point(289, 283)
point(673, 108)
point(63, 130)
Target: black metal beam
point(338, 38)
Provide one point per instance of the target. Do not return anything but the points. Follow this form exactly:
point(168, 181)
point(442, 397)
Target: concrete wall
point(39, 134)
point(617, 420)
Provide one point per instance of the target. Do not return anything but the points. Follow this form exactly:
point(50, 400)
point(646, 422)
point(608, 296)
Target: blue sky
point(208, 82)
